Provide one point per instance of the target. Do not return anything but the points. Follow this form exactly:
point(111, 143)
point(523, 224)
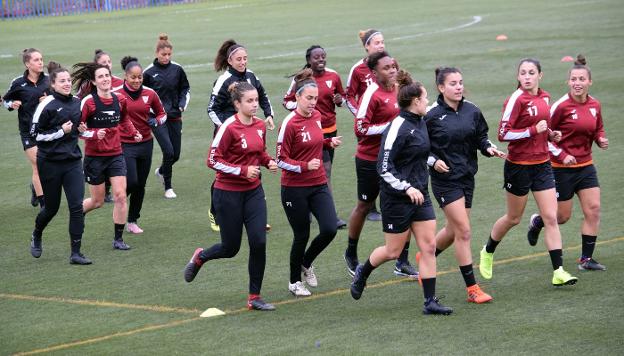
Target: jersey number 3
point(243, 143)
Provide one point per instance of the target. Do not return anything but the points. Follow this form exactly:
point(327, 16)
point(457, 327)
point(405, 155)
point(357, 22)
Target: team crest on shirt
point(145, 98)
point(329, 83)
point(260, 133)
point(593, 112)
point(319, 124)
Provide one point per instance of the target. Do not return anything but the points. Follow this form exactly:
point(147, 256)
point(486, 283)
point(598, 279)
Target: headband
point(371, 36)
point(311, 84)
point(233, 49)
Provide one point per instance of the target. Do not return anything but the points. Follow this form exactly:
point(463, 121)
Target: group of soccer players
point(402, 142)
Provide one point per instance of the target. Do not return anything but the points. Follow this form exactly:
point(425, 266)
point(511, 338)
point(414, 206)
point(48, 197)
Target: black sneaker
point(79, 259)
point(433, 306)
point(352, 263)
point(341, 224)
point(259, 304)
point(120, 245)
point(35, 247)
point(33, 196)
point(108, 197)
point(405, 269)
point(193, 266)
point(533, 231)
point(589, 264)
point(358, 284)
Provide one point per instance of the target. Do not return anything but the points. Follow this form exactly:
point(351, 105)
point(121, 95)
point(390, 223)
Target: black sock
point(41, 201)
point(428, 285)
point(468, 274)
point(538, 222)
point(491, 245)
point(119, 231)
point(589, 242)
point(352, 247)
point(37, 234)
point(438, 251)
point(403, 256)
point(556, 257)
point(367, 268)
point(76, 242)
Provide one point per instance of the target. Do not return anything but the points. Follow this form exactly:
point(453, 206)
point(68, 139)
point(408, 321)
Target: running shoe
point(79, 259)
point(170, 194)
point(133, 228)
point(358, 284)
point(35, 247)
point(433, 306)
point(405, 269)
point(298, 289)
point(309, 276)
point(562, 278)
point(341, 224)
point(373, 215)
point(477, 295)
point(352, 263)
point(120, 245)
point(589, 264)
point(533, 231)
point(193, 266)
point(485, 263)
point(259, 304)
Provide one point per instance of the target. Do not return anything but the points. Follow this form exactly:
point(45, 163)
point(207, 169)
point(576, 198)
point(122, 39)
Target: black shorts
point(447, 192)
point(521, 178)
point(367, 180)
point(398, 213)
point(97, 169)
point(571, 180)
point(28, 141)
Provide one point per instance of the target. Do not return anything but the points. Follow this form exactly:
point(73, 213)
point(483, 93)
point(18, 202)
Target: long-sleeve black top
point(402, 160)
point(455, 138)
point(53, 143)
point(170, 83)
point(28, 93)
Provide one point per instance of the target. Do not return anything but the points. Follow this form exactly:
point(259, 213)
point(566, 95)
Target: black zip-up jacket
point(28, 93)
point(220, 107)
point(170, 83)
point(455, 138)
point(52, 143)
point(402, 160)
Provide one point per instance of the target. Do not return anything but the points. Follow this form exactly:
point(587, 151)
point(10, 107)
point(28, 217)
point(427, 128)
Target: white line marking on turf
point(475, 20)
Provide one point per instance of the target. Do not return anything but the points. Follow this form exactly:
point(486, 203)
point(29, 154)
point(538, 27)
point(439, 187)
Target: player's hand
point(101, 133)
point(415, 196)
point(336, 141)
point(268, 122)
point(554, 135)
point(272, 166)
point(541, 126)
point(253, 172)
point(603, 142)
point(569, 160)
point(314, 164)
point(494, 152)
point(441, 167)
point(82, 127)
point(67, 127)
point(138, 137)
point(16, 104)
point(338, 99)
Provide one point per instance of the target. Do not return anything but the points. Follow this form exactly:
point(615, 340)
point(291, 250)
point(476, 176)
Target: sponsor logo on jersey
point(59, 109)
point(442, 117)
point(155, 75)
point(109, 112)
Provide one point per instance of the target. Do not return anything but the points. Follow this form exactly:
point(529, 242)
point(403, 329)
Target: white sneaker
point(161, 179)
point(170, 194)
point(309, 276)
point(298, 289)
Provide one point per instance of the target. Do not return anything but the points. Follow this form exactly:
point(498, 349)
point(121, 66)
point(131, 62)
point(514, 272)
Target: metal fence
point(17, 9)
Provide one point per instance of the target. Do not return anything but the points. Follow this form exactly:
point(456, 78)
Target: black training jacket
point(170, 83)
point(52, 143)
point(28, 93)
point(402, 160)
point(455, 138)
point(220, 107)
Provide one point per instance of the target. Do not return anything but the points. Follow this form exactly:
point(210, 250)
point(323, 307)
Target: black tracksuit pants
point(169, 137)
point(138, 158)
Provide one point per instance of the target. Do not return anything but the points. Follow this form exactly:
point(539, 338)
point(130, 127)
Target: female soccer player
point(104, 114)
point(237, 152)
point(525, 126)
point(232, 60)
point(360, 78)
point(55, 126)
point(24, 95)
point(578, 116)
point(330, 96)
point(144, 109)
point(405, 203)
point(457, 129)
point(304, 184)
point(377, 108)
point(169, 81)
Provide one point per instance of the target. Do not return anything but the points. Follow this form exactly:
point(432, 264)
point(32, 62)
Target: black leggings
point(246, 208)
point(66, 175)
point(169, 137)
point(298, 202)
point(138, 163)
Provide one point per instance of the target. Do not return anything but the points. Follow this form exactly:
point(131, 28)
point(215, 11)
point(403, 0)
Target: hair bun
point(580, 60)
point(163, 37)
point(403, 78)
point(52, 65)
